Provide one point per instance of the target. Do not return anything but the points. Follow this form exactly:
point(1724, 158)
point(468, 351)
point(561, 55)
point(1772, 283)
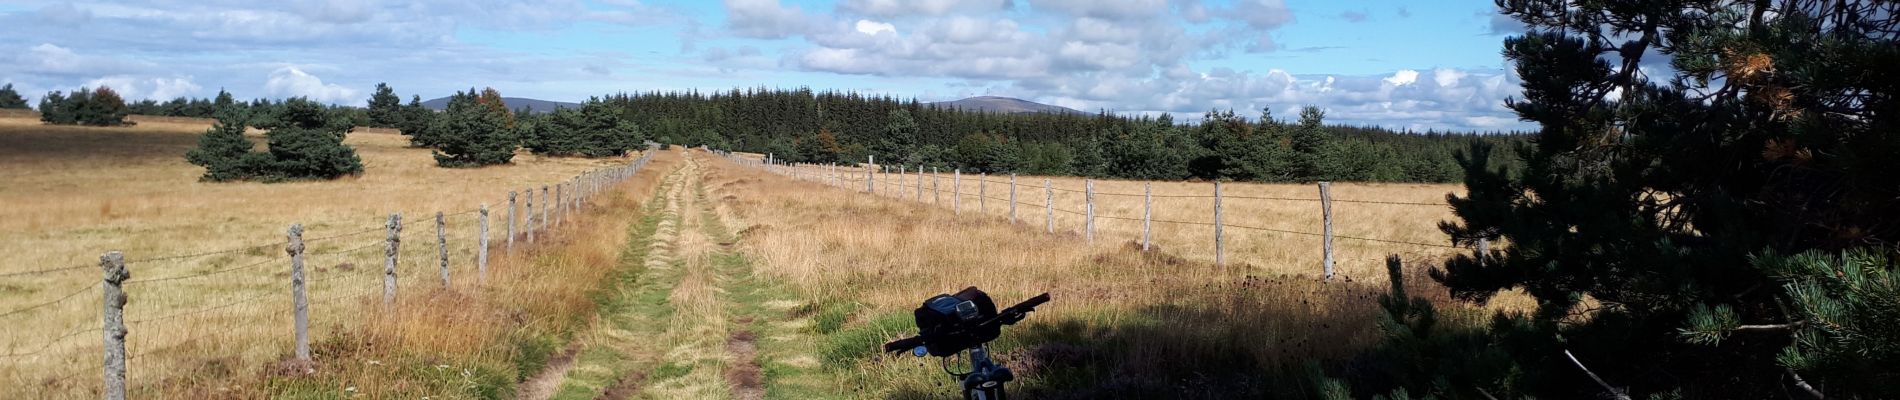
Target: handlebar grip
point(1028, 305)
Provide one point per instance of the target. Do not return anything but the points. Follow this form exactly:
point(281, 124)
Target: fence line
point(325, 285)
point(832, 175)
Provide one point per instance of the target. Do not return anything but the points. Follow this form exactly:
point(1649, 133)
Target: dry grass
point(1141, 317)
point(75, 192)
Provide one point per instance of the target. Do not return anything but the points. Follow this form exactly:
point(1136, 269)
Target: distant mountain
point(1004, 105)
point(514, 103)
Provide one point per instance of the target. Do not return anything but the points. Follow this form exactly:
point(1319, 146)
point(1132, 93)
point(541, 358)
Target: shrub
point(594, 130)
point(305, 139)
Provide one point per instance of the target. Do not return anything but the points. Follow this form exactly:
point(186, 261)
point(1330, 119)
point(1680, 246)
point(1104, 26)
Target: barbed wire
point(49, 344)
point(46, 271)
point(201, 310)
point(200, 275)
point(68, 296)
point(204, 254)
point(344, 235)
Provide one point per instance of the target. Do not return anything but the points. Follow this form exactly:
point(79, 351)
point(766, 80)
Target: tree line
point(800, 125)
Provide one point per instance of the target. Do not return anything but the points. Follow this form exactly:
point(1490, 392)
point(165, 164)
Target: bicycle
point(950, 325)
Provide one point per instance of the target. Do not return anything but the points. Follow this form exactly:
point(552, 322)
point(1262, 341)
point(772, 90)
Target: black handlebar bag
point(951, 323)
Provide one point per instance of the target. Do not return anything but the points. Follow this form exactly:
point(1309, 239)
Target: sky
point(1402, 64)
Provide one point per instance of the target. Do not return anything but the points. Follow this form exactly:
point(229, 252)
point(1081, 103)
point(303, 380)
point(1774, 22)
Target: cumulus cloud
point(51, 59)
point(870, 27)
point(135, 88)
point(290, 81)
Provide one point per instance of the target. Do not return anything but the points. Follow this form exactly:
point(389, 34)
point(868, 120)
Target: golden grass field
point(1169, 310)
point(73, 193)
point(219, 325)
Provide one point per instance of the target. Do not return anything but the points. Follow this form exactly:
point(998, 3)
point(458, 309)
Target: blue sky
point(1395, 63)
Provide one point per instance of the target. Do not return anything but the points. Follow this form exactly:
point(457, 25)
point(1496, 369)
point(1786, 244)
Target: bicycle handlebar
point(1007, 316)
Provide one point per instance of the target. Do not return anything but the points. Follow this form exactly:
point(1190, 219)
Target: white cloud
point(291, 81)
point(133, 88)
point(872, 28)
point(1402, 77)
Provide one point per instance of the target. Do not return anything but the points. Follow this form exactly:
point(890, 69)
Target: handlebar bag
point(951, 323)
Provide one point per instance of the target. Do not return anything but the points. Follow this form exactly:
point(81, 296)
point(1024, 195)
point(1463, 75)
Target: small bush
point(305, 139)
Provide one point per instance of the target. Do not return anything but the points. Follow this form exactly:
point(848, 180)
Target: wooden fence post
point(560, 205)
point(113, 322)
point(870, 174)
point(527, 219)
point(1326, 218)
point(393, 242)
point(956, 190)
point(544, 208)
point(481, 249)
point(511, 221)
point(299, 302)
point(1147, 214)
point(982, 193)
point(1049, 204)
point(1012, 198)
point(1088, 197)
point(1220, 256)
point(936, 196)
point(442, 245)
point(920, 184)
point(900, 179)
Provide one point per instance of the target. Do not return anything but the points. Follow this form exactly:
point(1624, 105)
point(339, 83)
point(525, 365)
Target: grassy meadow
point(202, 323)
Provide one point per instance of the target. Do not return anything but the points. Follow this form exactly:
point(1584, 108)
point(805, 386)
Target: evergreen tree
point(899, 136)
point(306, 142)
point(476, 130)
point(416, 121)
point(223, 150)
point(1664, 202)
point(385, 108)
point(10, 98)
point(53, 110)
point(1312, 153)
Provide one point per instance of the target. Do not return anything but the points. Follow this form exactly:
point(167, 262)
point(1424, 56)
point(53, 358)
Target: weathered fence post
point(481, 249)
point(1012, 198)
point(544, 208)
point(527, 219)
point(900, 179)
point(956, 190)
point(870, 174)
point(511, 221)
point(1049, 204)
point(1220, 256)
point(1147, 214)
point(1326, 218)
point(920, 184)
point(112, 322)
point(560, 205)
point(1088, 197)
point(936, 196)
point(393, 243)
point(982, 193)
point(442, 245)
point(299, 302)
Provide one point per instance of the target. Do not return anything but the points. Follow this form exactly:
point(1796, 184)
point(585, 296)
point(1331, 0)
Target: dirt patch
point(745, 376)
point(625, 387)
point(543, 384)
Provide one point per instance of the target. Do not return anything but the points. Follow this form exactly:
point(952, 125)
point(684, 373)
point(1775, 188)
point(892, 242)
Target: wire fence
point(220, 303)
point(1040, 198)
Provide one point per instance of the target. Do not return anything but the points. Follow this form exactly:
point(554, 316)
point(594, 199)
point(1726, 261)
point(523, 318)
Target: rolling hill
point(1004, 105)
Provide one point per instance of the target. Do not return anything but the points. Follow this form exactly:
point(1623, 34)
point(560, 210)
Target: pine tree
point(385, 108)
point(416, 121)
point(476, 130)
point(307, 143)
point(10, 98)
point(53, 110)
point(223, 150)
point(899, 136)
point(1311, 157)
point(1664, 200)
